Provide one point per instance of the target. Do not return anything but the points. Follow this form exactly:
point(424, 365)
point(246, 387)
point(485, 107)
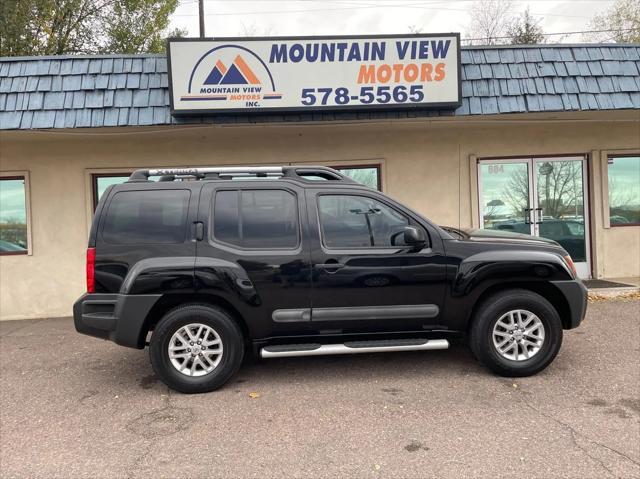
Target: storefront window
point(624, 190)
point(367, 175)
point(13, 215)
point(102, 181)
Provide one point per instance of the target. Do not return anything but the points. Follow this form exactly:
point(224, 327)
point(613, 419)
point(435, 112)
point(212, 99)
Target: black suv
point(204, 264)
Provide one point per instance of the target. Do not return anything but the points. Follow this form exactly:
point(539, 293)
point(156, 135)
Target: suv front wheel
point(516, 333)
point(196, 348)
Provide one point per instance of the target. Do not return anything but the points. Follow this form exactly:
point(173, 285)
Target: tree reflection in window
point(624, 190)
point(13, 215)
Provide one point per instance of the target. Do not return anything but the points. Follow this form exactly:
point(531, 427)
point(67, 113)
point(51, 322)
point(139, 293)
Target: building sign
point(313, 73)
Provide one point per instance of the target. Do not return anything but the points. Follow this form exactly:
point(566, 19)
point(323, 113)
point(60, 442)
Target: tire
point(497, 308)
point(224, 333)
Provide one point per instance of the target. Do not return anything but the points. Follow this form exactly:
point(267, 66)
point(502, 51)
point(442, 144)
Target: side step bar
point(352, 347)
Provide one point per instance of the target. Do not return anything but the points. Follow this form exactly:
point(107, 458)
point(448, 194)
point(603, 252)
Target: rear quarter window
point(256, 219)
point(149, 217)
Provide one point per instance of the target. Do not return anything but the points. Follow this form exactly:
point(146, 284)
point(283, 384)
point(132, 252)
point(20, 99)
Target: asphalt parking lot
point(73, 406)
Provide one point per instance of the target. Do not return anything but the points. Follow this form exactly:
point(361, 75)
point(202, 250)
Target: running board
point(352, 347)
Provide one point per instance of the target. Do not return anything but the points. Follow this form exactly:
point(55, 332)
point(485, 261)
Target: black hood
point(472, 234)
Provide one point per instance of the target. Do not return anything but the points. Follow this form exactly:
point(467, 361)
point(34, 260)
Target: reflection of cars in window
point(7, 247)
point(618, 220)
point(570, 234)
point(575, 228)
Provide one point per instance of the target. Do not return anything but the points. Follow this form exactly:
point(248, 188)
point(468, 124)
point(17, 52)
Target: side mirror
point(414, 237)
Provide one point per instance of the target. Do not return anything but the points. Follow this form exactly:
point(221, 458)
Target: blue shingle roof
point(132, 90)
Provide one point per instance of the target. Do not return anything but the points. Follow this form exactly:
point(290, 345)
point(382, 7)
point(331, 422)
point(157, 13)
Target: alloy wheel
point(195, 349)
point(518, 335)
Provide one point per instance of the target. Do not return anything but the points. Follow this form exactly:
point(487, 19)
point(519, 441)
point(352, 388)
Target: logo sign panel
point(313, 73)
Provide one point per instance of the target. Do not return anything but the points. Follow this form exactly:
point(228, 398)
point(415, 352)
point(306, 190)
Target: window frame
point(21, 175)
point(411, 221)
point(94, 184)
point(606, 198)
point(362, 166)
point(233, 247)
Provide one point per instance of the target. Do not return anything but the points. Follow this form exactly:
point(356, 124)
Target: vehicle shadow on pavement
point(322, 371)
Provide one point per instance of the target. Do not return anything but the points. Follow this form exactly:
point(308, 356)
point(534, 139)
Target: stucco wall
point(425, 164)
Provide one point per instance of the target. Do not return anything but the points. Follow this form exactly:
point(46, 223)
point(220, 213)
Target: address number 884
point(366, 95)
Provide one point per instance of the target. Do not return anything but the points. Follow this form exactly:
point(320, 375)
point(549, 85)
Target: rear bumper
point(117, 317)
point(575, 292)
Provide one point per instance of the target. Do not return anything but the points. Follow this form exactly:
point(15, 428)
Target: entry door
point(365, 278)
point(255, 249)
point(539, 196)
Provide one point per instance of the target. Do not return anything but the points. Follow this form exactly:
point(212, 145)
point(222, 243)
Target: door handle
point(330, 266)
point(199, 230)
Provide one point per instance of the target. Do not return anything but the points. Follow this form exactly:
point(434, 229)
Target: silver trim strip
point(331, 349)
point(354, 313)
point(291, 315)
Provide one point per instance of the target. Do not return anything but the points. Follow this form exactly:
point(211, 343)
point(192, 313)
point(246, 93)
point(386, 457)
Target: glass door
point(538, 196)
point(505, 195)
point(560, 206)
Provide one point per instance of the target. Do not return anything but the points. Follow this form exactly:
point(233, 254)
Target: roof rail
point(304, 173)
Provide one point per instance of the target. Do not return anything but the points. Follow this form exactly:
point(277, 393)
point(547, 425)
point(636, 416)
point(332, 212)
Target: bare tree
point(252, 30)
point(623, 21)
point(492, 209)
point(619, 196)
point(516, 192)
point(490, 19)
point(560, 190)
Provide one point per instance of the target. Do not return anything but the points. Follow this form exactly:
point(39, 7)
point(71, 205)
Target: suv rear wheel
point(516, 333)
point(196, 348)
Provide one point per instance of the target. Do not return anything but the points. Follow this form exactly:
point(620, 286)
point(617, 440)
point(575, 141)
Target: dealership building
point(541, 139)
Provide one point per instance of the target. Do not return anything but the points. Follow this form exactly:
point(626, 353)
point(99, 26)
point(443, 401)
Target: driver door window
point(359, 222)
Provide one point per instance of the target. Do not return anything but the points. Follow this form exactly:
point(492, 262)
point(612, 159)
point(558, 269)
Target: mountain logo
point(232, 76)
point(238, 73)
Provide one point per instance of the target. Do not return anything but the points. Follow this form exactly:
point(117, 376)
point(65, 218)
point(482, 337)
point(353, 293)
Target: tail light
point(572, 267)
point(91, 269)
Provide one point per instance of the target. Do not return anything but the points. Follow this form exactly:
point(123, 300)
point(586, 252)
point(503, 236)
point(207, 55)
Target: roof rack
point(302, 173)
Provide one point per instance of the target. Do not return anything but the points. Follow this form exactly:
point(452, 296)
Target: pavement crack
point(138, 461)
point(574, 434)
point(161, 422)
point(88, 395)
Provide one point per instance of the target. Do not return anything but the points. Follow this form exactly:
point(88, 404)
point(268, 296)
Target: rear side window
point(147, 217)
point(257, 219)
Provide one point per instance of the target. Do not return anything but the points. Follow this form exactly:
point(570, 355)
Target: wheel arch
point(167, 302)
point(546, 290)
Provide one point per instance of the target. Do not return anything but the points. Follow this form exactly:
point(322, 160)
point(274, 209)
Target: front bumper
point(117, 317)
point(575, 292)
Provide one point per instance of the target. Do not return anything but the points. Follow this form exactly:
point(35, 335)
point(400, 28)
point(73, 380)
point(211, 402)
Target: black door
point(365, 279)
point(255, 254)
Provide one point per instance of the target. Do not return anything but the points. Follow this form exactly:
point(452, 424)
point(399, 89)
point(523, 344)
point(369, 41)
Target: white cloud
point(358, 17)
